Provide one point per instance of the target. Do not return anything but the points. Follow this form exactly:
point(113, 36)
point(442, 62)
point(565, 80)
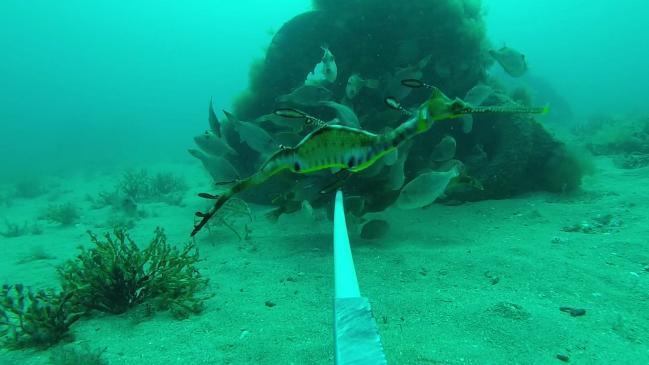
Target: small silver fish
point(475, 96)
point(512, 61)
point(395, 88)
point(344, 113)
point(306, 95)
point(425, 188)
point(253, 135)
point(213, 120)
point(211, 143)
point(445, 149)
point(356, 83)
point(218, 167)
point(324, 72)
point(281, 122)
point(396, 174)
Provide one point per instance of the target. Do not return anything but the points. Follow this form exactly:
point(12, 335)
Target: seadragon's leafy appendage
point(329, 147)
point(352, 149)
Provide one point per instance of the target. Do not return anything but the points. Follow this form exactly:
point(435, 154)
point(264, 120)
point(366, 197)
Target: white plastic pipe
point(357, 338)
point(346, 283)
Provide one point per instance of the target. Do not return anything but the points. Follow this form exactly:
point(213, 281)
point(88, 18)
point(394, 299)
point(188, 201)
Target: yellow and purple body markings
point(335, 146)
point(330, 146)
point(440, 107)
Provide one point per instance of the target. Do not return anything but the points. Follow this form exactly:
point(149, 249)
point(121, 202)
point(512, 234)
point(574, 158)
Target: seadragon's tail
point(220, 200)
point(279, 161)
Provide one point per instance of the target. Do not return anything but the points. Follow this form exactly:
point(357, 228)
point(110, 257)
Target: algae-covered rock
point(441, 43)
point(374, 39)
point(518, 155)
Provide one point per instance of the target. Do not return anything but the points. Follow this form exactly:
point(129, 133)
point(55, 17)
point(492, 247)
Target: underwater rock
point(607, 135)
point(282, 70)
point(522, 156)
point(632, 161)
point(505, 154)
point(574, 312)
point(355, 31)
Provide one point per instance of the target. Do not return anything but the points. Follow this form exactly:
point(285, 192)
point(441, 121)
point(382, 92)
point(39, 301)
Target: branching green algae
point(113, 276)
point(116, 275)
point(35, 319)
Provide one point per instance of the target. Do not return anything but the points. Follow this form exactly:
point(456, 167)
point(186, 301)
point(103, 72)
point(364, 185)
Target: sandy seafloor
point(478, 283)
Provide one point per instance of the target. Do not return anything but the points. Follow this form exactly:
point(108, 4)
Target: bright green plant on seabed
point(35, 319)
point(116, 275)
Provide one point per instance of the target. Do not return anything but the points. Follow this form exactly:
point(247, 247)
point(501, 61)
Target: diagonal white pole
point(356, 336)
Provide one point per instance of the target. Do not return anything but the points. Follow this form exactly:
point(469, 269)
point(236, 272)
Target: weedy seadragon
point(351, 149)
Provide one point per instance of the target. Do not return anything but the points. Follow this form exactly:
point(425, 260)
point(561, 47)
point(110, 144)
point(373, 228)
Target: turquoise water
point(473, 246)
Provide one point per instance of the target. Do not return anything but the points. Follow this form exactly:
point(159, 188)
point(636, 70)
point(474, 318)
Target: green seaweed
point(165, 183)
point(116, 275)
point(140, 186)
point(135, 184)
point(64, 214)
point(565, 167)
point(452, 30)
point(13, 230)
point(607, 135)
point(35, 319)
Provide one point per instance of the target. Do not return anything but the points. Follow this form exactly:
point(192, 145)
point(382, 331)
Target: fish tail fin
point(196, 153)
point(275, 164)
point(546, 109)
point(424, 61)
point(213, 121)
